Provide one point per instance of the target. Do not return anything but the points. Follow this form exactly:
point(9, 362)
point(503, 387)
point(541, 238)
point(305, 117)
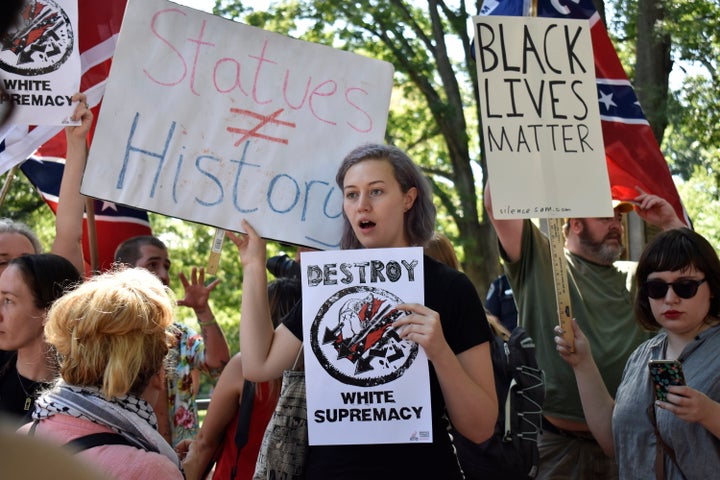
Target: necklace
point(28, 396)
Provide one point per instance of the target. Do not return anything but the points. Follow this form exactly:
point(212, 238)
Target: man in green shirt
point(601, 293)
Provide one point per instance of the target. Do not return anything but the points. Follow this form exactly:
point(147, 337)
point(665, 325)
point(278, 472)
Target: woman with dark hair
point(387, 203)
point(28, 287)
point(676, 436)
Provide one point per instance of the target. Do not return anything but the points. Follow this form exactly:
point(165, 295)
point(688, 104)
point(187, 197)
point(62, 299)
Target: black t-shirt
point(14, 391)
point(451, 294)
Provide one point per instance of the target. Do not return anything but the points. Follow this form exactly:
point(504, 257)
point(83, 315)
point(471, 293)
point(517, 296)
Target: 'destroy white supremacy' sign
point(365, 384)
point(214, 121)
point(540, 116)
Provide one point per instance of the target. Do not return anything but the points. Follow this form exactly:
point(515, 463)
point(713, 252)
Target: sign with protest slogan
point(214, 121)
point(364, 383)
point(40, 63)
point(540, 117)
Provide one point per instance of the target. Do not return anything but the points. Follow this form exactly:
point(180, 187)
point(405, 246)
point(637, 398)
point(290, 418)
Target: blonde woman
point(111, 336)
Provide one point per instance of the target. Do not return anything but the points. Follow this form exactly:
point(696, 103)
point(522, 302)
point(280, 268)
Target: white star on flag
point(606, 99)
point(109, 205)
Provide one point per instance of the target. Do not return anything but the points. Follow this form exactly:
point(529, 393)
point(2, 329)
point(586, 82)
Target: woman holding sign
point(387, 204)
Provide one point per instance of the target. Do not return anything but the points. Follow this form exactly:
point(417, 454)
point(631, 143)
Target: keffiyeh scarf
point(129, 415)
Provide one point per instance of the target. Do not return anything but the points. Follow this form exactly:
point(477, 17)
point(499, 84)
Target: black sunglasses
point(685, 288)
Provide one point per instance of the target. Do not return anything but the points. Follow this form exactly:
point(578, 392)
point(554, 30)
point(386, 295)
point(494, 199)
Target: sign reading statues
point(214, 121)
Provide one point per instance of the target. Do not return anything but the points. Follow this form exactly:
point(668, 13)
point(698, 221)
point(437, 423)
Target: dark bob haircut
point(419, 221)
point(676, 250)
point(48, 276)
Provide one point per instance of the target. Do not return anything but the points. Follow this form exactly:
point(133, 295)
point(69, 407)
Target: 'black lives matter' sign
point(540, 117)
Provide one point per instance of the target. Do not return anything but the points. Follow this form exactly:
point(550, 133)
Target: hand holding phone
point(665, 373)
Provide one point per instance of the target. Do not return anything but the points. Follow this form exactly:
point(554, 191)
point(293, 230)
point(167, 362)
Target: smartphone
point(665, 373)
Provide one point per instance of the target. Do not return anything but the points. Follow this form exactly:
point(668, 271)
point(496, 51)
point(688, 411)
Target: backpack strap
point(96, 440)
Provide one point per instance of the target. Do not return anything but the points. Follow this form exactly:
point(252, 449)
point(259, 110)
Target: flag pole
point(6, 186)
point(92, 235)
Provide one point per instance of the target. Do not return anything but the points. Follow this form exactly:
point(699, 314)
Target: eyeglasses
point(685, 288)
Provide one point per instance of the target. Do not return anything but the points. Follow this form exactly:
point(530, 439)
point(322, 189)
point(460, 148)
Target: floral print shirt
point(188, 354)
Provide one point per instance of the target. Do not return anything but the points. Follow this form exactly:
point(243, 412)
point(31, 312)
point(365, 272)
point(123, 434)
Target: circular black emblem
point(353, 338)
point(40, 43)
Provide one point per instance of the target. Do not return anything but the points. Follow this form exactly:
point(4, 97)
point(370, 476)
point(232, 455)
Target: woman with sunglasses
point(678, 285)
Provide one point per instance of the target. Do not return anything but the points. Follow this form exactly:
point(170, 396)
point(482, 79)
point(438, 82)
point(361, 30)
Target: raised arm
point(197, 297)
point(509, 232)
point(222, 409)
point(597, 402)
point(266, 351)
point(71, 204)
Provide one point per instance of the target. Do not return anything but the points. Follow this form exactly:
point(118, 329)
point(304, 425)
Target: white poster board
point(40, 63)
point(214, 121)
point(540, 116)
point(364, 384)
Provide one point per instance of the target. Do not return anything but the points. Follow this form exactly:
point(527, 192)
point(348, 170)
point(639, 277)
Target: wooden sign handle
point(214, 261)
point(562, 291)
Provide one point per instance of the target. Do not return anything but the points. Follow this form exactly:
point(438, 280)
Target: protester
point(678, 283)
point(600, 290)
point(216, 437)
point(112, 338)
point(35, 282)
point(387, 204)
point(209, 352)
point(28, 287)
point(500, 305)
point(18, 455)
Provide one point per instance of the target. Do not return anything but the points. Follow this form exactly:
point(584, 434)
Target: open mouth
point(365, 224)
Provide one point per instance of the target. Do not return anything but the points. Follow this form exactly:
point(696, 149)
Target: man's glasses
point(685, 288)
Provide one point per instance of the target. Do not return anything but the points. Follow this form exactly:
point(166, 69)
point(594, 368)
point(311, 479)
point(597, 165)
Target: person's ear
point(410, 197)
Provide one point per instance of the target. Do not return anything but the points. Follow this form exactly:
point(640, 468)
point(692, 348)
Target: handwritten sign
point(213, 121)
point(40, 60)
point(540, 116)
point(364, 384)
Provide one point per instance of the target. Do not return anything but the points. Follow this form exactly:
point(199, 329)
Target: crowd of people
point(101, 363)
point(97, 375)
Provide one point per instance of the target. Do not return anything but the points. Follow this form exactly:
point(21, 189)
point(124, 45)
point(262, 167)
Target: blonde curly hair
point(111, 331)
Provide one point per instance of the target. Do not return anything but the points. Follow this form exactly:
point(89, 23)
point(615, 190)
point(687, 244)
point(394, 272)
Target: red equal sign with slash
point(264, 120)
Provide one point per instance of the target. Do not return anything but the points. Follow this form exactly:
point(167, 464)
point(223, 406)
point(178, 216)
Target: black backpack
point(512, 451)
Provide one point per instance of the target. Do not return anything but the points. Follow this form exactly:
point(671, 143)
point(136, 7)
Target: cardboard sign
point(214, 121)
point(541, 122)
point(364, 384)
point(40, 63)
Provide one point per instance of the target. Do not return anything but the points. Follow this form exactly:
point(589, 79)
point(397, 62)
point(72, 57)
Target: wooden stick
point(562, 290)
point(214, 261)
point(92, 235)
point(8, 182)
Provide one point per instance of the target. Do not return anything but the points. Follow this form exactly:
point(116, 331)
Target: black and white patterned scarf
point(130, 416)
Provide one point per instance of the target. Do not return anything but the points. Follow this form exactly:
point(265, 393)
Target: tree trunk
point(652, 65)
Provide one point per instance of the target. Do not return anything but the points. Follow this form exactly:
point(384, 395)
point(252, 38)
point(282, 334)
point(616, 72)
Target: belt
point(549, 427)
